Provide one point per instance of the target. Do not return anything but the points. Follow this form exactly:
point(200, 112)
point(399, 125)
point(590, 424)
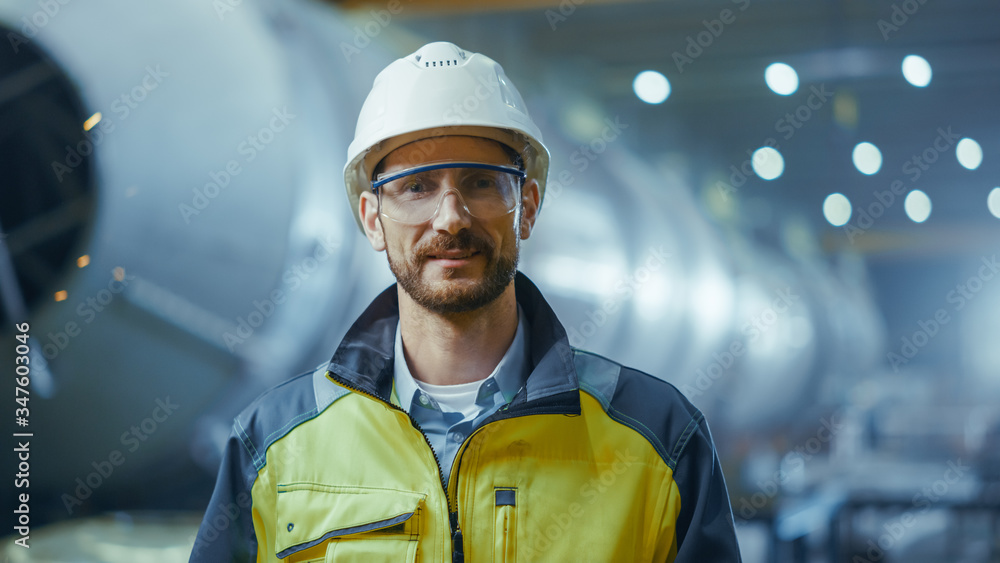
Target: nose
point(451, 215)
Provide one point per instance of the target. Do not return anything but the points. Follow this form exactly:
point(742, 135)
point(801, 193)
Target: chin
point(454, 287)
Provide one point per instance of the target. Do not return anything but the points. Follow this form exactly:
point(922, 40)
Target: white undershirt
point(456, 398)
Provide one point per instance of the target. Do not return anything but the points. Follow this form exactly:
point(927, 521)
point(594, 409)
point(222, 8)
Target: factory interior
point(789, 210)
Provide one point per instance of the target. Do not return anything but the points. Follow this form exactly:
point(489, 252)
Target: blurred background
point(790, 210)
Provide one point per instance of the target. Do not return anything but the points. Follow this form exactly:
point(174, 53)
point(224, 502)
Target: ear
point(530, 200)
point(368, 211)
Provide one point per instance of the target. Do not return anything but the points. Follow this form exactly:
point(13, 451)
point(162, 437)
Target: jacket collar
point(364, 359)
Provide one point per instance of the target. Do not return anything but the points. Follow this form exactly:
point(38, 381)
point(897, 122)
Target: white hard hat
point(441, 89)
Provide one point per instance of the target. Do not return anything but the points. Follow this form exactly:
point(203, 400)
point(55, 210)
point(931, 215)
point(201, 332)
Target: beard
point(457, 296)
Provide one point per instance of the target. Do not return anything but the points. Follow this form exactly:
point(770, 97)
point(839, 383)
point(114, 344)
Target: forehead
point(453, 147)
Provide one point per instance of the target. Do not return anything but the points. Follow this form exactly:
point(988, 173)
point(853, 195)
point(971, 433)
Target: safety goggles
point(414, 195)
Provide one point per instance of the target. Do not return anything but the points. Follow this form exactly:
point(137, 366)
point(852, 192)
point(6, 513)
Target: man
point(455, 422)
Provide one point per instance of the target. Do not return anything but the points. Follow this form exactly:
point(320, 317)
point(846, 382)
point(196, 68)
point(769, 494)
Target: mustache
point(464, 240)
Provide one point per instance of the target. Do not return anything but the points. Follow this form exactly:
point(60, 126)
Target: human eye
point(483, 181)
point(413, 187)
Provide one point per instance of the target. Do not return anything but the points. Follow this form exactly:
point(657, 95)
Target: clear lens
point(414, 195)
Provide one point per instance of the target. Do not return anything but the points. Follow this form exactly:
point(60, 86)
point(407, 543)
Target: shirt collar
point(497, 389)
point(363, 362)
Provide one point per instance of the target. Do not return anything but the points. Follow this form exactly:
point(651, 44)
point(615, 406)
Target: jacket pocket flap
point(311, 513)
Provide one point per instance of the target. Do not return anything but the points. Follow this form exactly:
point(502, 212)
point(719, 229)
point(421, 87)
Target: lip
point(453, 258)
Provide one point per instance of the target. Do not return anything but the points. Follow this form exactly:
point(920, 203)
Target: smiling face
point(453, 262)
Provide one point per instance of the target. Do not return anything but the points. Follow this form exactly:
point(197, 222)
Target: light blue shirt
point(448, 430)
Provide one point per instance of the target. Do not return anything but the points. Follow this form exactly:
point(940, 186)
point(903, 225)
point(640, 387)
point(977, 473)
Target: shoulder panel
point(280, 409)
point(651, 406)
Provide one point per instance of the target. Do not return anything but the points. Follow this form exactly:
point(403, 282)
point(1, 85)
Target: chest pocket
point(317, 522)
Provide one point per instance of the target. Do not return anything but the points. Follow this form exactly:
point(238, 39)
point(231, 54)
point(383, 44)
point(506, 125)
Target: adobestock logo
point(250, 149)
point(896, 528)
point(786, 126)
point(292, 279)
point(899, 17)
point(696, 44)
point(565, 10)
point(757, 326)
point(543, 538)
point(370, 29)
point(31, 25)
point(104, 468)
point(747, 507)
point(624, 289)
point(927, 329)
point(914, 167)
point(123, 106)
point(583, 156)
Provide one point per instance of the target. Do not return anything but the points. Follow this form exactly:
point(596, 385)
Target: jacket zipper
point(456, 533)
point(457, 554)
point(503, 413)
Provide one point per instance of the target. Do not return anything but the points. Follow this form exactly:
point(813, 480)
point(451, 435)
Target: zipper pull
point(457, 553)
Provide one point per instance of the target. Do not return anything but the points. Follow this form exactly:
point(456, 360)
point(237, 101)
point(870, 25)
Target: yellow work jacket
point(590, 461)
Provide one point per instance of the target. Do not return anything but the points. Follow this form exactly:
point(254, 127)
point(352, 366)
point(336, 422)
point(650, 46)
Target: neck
point(448, 349)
